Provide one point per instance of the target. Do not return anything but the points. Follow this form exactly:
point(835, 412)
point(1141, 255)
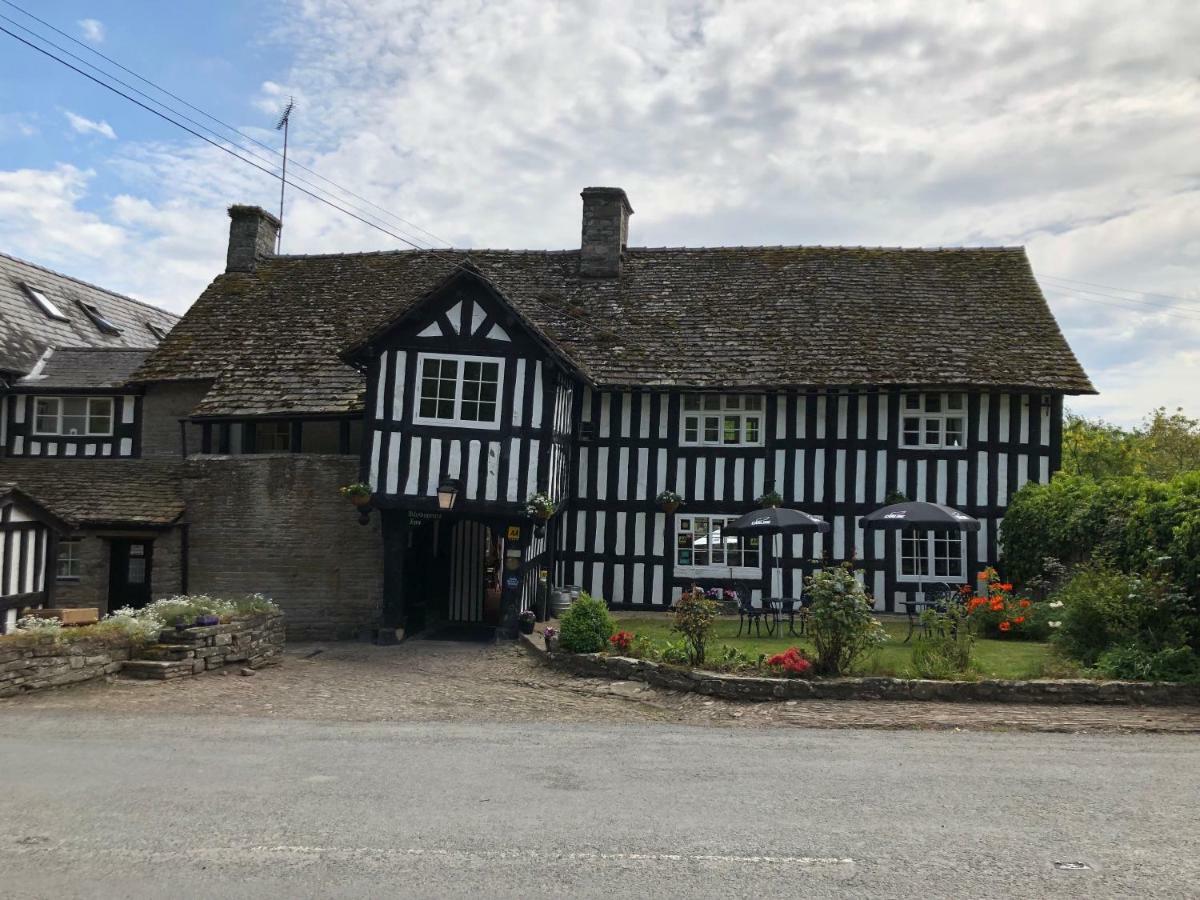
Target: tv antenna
point(282, 124)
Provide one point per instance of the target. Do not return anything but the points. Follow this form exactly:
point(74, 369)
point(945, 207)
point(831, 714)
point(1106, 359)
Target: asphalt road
point(134, 806)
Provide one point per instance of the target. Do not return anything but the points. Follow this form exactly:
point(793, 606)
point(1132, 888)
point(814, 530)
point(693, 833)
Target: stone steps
point(160, 670)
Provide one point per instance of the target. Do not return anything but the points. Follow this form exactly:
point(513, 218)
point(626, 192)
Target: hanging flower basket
point(770, 500)
point(540, 507)
point(358, 493)
point(669, 501)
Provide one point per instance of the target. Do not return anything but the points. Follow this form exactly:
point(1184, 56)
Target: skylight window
point(159, 333)
point(44, 303)
point(97, 317)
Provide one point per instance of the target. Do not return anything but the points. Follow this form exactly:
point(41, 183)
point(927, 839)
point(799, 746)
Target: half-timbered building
point(837, 377)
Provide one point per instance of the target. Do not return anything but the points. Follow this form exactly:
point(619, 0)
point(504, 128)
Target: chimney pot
point(252, 235)
point(606, 213)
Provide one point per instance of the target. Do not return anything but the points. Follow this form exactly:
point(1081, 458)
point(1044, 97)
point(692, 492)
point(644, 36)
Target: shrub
point(792, 662)
point(1094, 612)
point(695, 620)
point(844, 628)
point(731, 659)
point(946, 647)
point(1131, 662)
point(675, 653)
point(586, 626)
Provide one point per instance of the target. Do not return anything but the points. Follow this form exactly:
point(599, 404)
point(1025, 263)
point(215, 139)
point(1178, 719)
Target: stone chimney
point(252, 235)
point(606, 213)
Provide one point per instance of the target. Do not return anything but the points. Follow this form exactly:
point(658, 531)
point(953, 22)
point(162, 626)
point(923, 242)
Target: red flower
point(1006, 626)
point(1019, 619)
point(1024, 604)
point(621, 640)
point(996, 605)
point(792, 661)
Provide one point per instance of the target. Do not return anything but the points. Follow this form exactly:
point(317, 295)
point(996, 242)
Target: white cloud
point(92, 30)
point(84, 125)
point(1069, 128)
point(40, 219)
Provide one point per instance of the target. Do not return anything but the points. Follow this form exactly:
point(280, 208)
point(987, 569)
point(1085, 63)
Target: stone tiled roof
point(84, 367)
point(102, 492)
point(737, 317)
point(26, 331)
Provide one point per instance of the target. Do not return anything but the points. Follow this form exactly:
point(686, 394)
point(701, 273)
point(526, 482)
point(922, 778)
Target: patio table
point(779, 607)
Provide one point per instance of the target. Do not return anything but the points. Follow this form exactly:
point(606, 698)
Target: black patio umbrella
point(917, 514)
point(777, 520)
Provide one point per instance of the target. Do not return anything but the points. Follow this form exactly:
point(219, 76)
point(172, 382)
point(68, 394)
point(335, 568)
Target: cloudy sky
point(1072, 128)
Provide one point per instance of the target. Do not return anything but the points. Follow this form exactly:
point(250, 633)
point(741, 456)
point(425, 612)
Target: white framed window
point(67, 567)
point(722, 420)
point(937, 420)
point(459, 390)
point(932, 555)
point(81, 416)
point(44, 303)
point(702, 548)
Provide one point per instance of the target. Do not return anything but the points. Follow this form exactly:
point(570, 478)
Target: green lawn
point(996, 659)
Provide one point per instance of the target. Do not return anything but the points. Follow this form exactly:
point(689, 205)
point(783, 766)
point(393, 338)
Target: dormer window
point(159, 333)
point(44, 303)
point(459, 390)
point(74, 416)
point(97, 317)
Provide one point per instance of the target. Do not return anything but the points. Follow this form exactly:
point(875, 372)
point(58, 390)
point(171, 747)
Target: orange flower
point(1024, 604)
point(1005, 626)
point(1019, 619)
point(1006, 586)
point(997, 605)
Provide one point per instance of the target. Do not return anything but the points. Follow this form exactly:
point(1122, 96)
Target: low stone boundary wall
point(747, 687)
point(43, 662)
point(255, 642)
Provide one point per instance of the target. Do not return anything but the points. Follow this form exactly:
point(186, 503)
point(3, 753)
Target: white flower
point(1054, 624)
point(1057, 604)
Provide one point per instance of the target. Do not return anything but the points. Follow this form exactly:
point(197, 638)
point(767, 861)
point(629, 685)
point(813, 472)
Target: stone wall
point(255, 642)
point(44, 662)
point(745, 687)
point(32, 664)
point(163, 405)
point(274, 524)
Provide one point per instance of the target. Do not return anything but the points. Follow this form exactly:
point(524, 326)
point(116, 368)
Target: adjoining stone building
point(459, 383)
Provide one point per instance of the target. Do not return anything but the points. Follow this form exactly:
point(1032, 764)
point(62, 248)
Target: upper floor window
point(67, 567)
point(700, 542)
point(272, 437)
point(68, 416)
point(44, 303)
point(935, 420)
point(723, 420)
point(459, 390)
point(932, 554)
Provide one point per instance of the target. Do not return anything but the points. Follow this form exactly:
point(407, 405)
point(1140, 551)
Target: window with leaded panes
point(700, 542)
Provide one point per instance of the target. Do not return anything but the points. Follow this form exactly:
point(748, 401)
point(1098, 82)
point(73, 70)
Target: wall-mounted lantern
point(447, 493)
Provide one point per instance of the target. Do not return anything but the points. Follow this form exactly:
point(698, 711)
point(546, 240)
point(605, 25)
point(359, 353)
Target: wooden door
point(129, 573)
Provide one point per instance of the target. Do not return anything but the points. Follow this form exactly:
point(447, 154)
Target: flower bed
point(42, 654)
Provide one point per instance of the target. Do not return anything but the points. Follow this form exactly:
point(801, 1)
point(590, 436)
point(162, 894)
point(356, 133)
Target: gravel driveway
point(460, 682)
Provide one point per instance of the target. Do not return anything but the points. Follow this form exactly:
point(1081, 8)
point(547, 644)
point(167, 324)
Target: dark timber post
point(394, 524)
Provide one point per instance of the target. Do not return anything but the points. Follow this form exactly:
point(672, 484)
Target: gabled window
point(934, 555)
point(459, 390)
point(44, 303)
point(73, 416)
point(97, 317)
point(722, 420)
point(700, 543)
point(159, 333)
point(935, 420)
point(67, 567)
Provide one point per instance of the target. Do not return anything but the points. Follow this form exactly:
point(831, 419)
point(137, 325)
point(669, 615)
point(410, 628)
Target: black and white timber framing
point(18, 437)
point(28, 547)
point(606, 454)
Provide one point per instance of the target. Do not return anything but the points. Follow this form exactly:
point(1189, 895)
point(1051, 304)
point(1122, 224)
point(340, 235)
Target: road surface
point(129, 805)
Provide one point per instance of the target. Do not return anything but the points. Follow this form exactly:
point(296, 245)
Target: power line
point(196, 109)
point(200, 125)
point(1112, 288)
point(1070, 289)
point(1063, 292)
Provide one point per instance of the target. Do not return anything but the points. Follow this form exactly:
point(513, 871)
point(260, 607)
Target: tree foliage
point(1165, 445)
